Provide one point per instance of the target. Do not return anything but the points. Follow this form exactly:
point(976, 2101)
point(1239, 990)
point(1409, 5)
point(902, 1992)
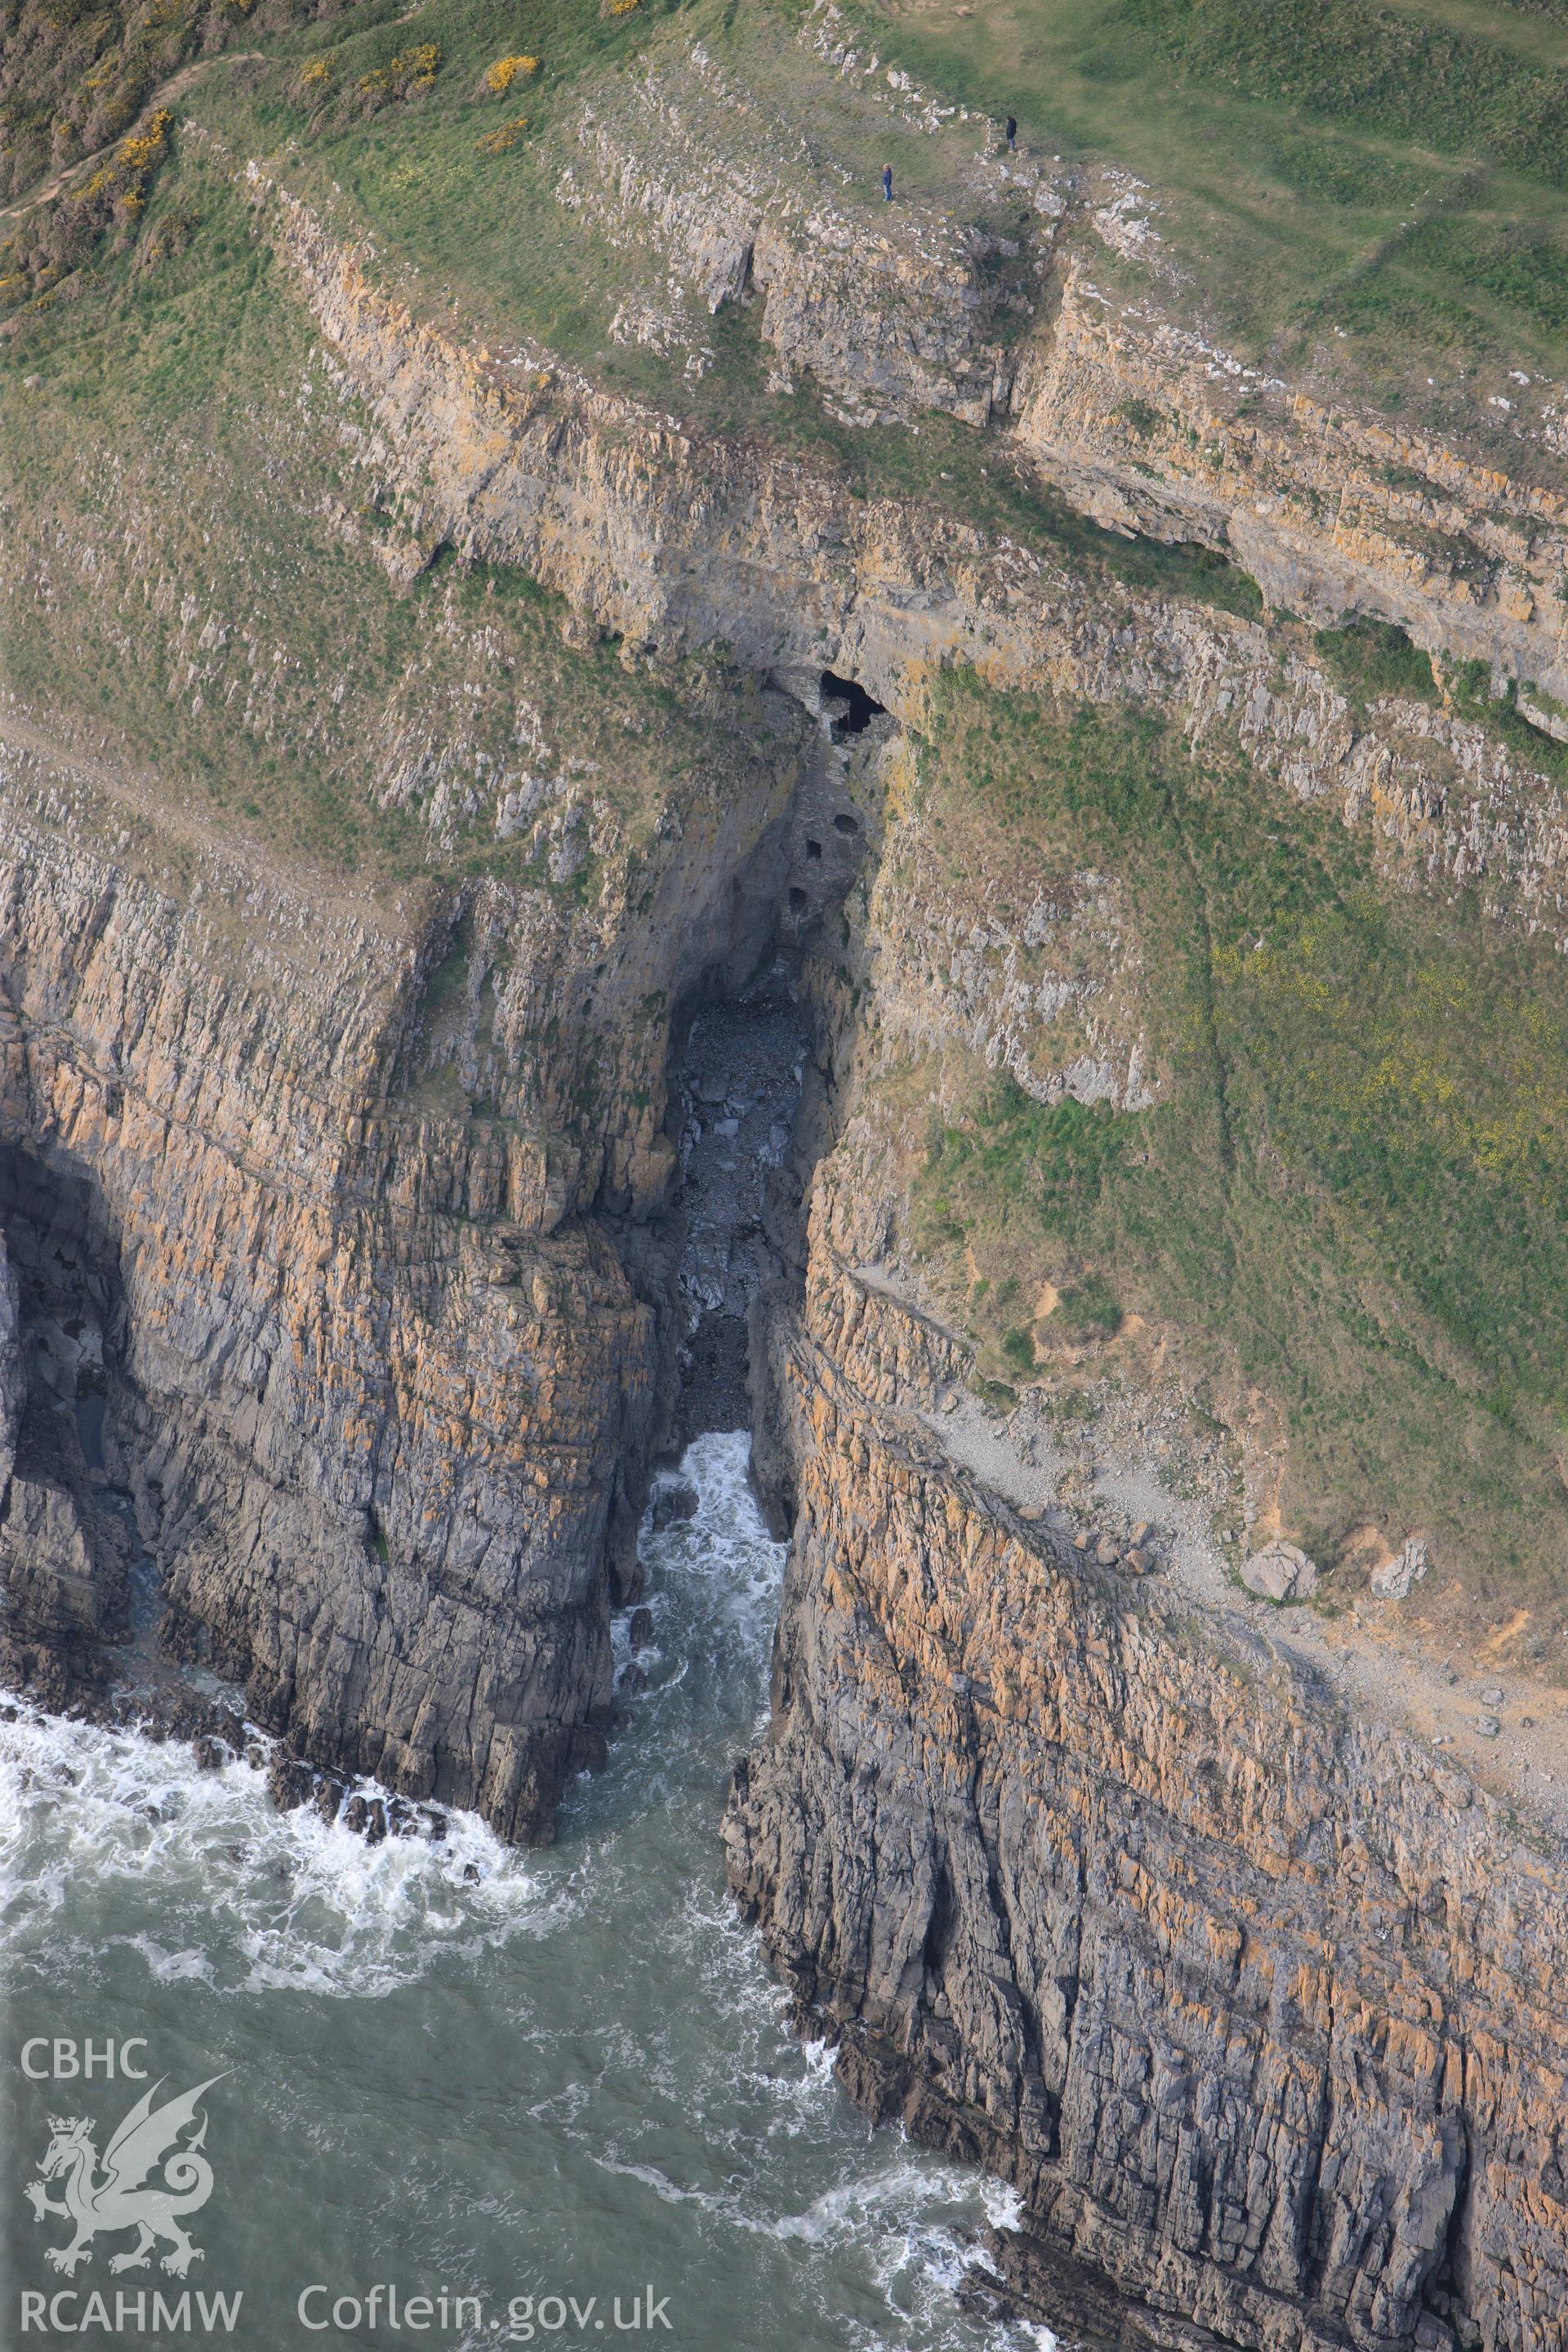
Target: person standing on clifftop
point(1012, 134)
point(886, 184)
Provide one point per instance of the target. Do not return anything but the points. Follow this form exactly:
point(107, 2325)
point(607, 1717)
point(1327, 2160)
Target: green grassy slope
point(1371, 196)
point(1372, 191)
point(195, 569)
point(1352, 1193)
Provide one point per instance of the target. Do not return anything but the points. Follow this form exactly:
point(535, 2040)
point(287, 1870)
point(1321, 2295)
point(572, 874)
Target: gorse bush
point(409, 74)
point(497, 141)
point(52, 243)
point(76, 73)
point(501, 77)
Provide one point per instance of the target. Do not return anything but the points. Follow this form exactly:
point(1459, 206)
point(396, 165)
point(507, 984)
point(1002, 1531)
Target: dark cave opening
point(860, 708)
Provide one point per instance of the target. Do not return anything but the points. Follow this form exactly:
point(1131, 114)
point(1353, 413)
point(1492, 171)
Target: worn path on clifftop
point(327, 890)
point(163, 95)
point(1362, 1653)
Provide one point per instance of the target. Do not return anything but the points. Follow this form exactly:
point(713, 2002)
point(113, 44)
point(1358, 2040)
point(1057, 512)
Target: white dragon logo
point(120, 2200)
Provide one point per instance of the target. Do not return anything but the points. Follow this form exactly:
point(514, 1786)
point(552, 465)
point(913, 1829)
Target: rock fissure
point(414, 1231)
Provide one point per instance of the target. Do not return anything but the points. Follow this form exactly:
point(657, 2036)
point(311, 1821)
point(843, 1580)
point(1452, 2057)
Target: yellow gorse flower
point(505, 71)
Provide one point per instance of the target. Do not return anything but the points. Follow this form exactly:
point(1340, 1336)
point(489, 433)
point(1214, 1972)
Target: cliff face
point(1148, 429)
point(672, 541)
point(1029, 296)
point(1253, 2001)
point(366, 1199)
point(368, 1257)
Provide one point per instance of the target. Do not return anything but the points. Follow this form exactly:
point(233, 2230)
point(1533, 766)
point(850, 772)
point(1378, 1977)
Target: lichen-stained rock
point(1116, 390)
point(668, 538)
point(1257, 2004)
point(1144, 424)
point(383, 1390)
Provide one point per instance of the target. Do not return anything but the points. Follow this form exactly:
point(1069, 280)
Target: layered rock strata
point(673, 541)
point(363, 1181)
point(1256, 2002)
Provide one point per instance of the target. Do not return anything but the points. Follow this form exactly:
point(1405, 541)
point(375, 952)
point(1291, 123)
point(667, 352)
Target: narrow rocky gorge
point(373, 1239)
point(385, 1391)
point(382, 1382)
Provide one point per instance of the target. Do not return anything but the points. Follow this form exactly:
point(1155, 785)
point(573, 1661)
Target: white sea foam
point(244, 1896)
point(649, 2039)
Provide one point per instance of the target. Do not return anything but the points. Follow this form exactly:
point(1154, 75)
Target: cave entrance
point(849, 708)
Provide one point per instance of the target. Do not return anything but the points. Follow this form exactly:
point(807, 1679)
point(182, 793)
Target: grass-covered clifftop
point(1342, 1194)
point(211, 581)
point(1345, 1188)
point(1373, 194)
point(1372, 198)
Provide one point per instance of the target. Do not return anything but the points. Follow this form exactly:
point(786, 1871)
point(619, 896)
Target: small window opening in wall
point(798, 902)
point(862, 707)
point(844, 825)
point(814, 849)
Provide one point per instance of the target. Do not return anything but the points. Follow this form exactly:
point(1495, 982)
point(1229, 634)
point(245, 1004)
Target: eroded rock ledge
point(674, 542)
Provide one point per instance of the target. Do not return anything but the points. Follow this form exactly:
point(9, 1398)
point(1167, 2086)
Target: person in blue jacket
point(886, 184)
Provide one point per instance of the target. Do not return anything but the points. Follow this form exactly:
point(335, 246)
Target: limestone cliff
point(1254, 2001)
point(341, 1184)
point(363, 1202)
point(672, 541)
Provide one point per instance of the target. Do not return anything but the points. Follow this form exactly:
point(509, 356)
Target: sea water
point(465, 2096)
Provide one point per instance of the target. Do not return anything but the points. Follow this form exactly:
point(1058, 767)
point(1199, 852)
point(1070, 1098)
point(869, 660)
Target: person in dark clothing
point(1012, 134)
point(886, 184)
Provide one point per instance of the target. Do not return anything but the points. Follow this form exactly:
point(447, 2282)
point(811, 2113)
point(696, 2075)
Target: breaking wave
point(653, 2100)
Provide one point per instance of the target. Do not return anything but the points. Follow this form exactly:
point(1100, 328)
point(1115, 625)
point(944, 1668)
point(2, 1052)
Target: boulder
point(673, 1499)
point(1392, 1578)
point(290, 1782)
point(1280, 1572)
